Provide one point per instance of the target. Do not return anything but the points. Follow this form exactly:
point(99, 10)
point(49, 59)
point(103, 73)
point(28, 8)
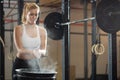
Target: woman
point(30, 39)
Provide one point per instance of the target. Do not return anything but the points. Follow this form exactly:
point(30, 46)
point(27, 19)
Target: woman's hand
point(38, 53)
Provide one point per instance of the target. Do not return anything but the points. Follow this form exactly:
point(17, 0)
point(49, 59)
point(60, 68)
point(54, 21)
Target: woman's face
point(32, 16)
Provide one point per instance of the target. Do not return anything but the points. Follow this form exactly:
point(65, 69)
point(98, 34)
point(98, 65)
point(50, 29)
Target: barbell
point(107, 18)
point(54, 25)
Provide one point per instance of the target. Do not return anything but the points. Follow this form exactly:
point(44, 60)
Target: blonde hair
point(27, 8)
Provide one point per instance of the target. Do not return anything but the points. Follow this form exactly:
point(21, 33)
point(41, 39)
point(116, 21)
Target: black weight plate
point(108, 15)
point(54, 30)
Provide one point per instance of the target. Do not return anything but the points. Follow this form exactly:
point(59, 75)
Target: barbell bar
point(76, 21)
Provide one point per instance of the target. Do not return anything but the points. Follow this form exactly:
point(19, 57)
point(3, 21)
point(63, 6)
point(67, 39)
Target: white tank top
point(29, 42)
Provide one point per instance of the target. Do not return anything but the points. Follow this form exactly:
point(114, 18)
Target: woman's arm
point(43, 46)
point(43, 37)
point(17, 40)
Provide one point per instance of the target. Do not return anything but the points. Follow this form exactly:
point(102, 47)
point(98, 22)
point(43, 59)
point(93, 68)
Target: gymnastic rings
point(98, 49)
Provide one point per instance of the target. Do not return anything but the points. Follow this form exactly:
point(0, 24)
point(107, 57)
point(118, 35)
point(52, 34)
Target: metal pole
point(38, 3)
point(2, 35)
point(66, 40)
point(85, 43)
point(112, 57)
point(93, 76)
point(20, 9)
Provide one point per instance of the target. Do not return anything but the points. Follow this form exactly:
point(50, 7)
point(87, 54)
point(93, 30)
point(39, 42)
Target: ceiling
point(75, 4)
point(49, 3)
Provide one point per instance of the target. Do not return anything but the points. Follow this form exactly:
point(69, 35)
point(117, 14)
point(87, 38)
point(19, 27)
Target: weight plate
point(108, 15)
point(54, 30)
